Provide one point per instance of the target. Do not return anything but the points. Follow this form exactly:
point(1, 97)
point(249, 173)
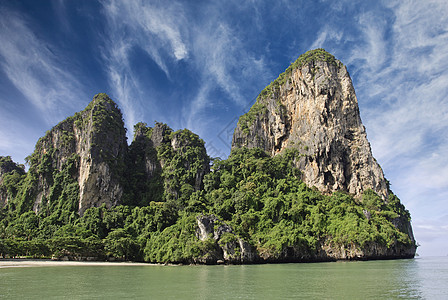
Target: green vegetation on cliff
point(182, 155)
point(167, 185)
point(259, 196)
point(259, 108)
point(311, 56)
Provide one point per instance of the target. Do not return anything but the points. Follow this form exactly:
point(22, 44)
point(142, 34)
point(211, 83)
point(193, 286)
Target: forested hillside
point(290, 191)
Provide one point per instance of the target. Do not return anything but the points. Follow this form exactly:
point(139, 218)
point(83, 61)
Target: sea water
point(419, 278)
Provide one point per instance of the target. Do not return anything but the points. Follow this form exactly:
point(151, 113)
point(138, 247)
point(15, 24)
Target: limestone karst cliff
point(300, 185)
point(164, 165)
point(89, 149)
point(313, 108)
point(10, 175)
point(84, 161)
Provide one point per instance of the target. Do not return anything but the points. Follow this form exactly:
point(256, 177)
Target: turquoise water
point(421, 278)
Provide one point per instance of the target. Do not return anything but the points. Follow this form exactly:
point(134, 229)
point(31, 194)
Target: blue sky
point(200, 65)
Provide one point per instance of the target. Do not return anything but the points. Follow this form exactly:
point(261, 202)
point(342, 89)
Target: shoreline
point(33, 262)
point(25, 263)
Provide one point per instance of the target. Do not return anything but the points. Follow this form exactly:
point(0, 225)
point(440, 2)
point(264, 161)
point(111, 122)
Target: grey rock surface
point(96, 137)
point(315, 111)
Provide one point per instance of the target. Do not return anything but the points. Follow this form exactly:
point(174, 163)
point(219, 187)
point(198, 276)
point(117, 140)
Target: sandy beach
point(22, 263)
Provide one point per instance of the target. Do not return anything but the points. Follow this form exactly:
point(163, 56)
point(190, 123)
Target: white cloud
point(401, 86)
point(34, 69)
point(125, 88)
point(433, 234)
point(154, 29)
point(221, 57)
point(412, 110)
point(157, 29)
point(164, 22)
point(374, 49)
point(223, 61)
point(327, 33)
point(205, 41)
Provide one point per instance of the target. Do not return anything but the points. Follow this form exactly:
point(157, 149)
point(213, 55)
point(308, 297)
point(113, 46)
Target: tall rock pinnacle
point(84, 153)
point(312, 107)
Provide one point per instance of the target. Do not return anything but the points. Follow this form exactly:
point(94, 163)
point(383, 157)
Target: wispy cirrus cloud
point(122, 80)
point(327, 33)
point(432, 231)
point(154, 29)
point(231, 74)
point(223, 62)
point(31, 65)
point(408, 89)
point(44, 89)
point(205, 42)
point(411, 114)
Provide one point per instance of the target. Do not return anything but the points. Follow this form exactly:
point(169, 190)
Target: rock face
point(234, 250)
point(312, 108)
point(94, 141)
point(85, 161)
point(310, 113)
point(231, 248)
point(165, 165)
point(10, 175)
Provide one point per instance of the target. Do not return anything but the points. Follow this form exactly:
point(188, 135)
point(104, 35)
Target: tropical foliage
point(260, 197)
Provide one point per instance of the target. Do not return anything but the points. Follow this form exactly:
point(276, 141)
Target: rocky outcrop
point(230, 248)
point(164, 164)
point(10, 175)
point(311, 111)
point(8, 166)
point(313, 108)
point(331, 251)
point(95, 141)
point(101, 144)
point(195, 159)
point(84, 161)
